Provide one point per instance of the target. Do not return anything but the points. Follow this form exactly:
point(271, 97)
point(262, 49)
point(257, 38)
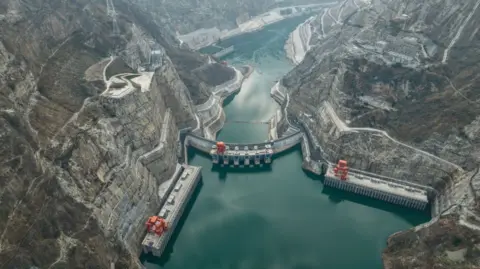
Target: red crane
point(341, 169)
point(156, 225)
point(220, 147)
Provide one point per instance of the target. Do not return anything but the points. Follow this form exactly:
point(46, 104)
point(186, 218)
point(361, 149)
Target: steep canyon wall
point(79, 168)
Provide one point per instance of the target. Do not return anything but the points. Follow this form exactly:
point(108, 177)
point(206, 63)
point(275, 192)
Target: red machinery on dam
point(363, 183)
point(156, 225)
point(341, 170)
point(220, 147)
point(241, 155)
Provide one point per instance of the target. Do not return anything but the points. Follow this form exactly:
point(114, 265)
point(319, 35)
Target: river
point(279, 217)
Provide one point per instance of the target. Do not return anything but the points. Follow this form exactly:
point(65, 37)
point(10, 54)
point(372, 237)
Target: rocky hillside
point(185, 16)
point(393, 87)
point(445, 244)
point(86, 138)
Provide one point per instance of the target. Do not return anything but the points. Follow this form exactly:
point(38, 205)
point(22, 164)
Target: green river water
point(276, 218)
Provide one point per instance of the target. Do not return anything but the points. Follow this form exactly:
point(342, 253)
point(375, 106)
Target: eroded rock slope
point(90, 109)
point(393, 87)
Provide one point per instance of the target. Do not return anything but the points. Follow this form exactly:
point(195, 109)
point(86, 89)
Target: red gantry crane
point(156, 225)
point(341, 169)
point(220, 147)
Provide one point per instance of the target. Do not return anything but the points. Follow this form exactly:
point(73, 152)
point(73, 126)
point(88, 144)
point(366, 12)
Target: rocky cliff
point(90, 107)
point(392, 86)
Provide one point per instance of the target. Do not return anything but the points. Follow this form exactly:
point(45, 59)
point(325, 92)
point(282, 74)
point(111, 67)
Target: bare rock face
point(85, 139)
point(444, 244)
point(379, 78)
point(184, 16)
point(392, 87)
point(384, 66)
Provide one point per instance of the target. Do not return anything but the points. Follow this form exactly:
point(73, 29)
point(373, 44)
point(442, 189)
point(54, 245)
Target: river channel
point(277, 218)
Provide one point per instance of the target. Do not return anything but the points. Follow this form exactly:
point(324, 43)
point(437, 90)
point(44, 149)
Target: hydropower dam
point(275, 216)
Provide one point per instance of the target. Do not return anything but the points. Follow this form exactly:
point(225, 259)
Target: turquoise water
point(277, 217)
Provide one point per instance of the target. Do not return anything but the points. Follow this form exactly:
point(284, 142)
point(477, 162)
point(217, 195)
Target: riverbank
point(298, 42)
point(205, 37)
point(211, 112)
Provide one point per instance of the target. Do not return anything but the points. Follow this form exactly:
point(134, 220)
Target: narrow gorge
point(97, 96)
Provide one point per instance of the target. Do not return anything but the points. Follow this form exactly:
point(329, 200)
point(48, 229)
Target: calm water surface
point(280, 217)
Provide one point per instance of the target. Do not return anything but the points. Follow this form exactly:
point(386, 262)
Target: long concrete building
point(245, 154)
point(379, 189)
point(173, 208)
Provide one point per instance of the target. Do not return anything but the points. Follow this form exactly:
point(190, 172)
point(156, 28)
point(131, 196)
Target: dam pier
point(409, 196)
point(176, 194)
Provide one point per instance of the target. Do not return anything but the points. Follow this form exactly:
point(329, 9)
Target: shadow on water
point(313, 176)
point(412, 216)
point(224, 171)
point(229, 99)
point(167, 253)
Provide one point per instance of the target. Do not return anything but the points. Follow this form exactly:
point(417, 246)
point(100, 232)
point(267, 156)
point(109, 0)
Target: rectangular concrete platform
point(172, 209)
point(379, 189)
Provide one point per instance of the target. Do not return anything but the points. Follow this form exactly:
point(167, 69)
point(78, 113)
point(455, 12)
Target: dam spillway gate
point(244, 154)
